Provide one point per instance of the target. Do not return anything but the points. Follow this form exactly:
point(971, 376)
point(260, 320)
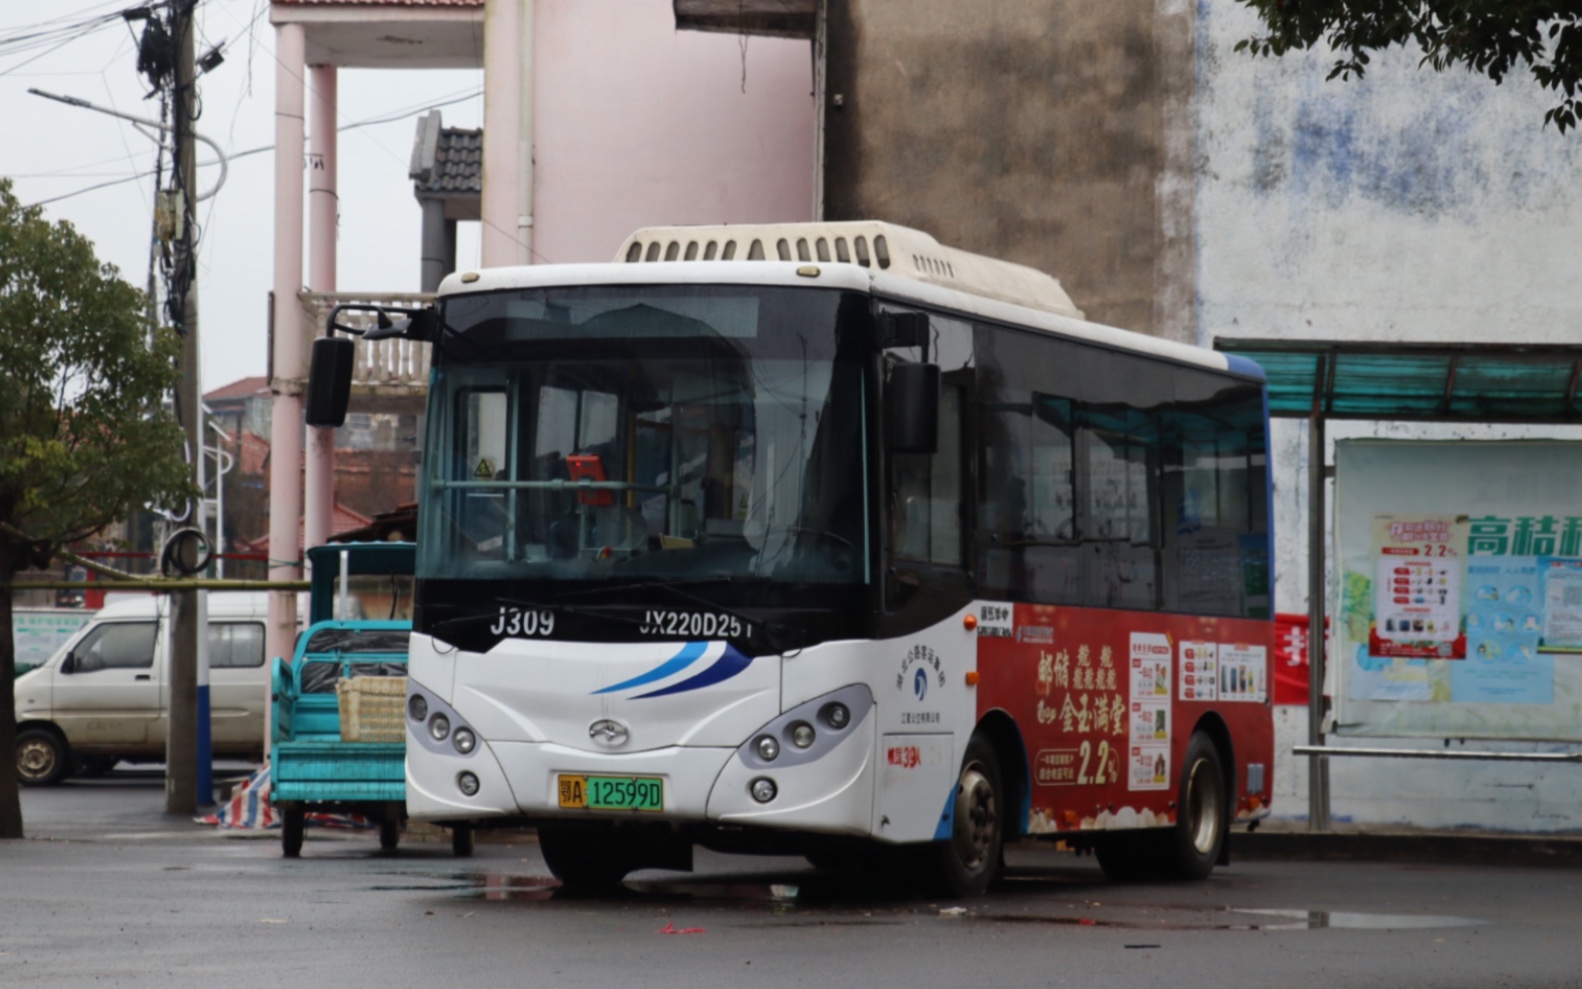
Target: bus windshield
point(645, 433)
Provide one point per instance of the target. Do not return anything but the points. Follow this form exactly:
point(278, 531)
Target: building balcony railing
point(383, 368)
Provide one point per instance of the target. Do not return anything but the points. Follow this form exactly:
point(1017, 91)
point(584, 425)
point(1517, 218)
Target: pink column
point(323, 208)
point(502, 119)
point(285, 458)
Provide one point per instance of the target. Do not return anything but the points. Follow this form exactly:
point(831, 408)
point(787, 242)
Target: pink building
point(600, 117)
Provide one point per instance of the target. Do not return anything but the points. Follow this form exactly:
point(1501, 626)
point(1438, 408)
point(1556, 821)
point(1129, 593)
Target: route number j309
point(515, 621)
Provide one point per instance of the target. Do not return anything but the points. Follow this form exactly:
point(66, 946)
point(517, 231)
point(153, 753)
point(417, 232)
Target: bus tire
point(1202, 814)
point(461, 841)
point(389, 833)
point(293, 819)
point(581, 861)
point(42, 758)
point(970, 857)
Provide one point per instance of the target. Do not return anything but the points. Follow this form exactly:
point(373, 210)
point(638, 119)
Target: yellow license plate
point(579, 792)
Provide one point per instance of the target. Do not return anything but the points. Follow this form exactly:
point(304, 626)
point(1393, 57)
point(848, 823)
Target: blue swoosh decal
point(727, 666)
point(688, 655)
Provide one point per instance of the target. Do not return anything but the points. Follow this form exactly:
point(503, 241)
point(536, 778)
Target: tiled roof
point(344, 520)
point(245, 388)
point(447, 161)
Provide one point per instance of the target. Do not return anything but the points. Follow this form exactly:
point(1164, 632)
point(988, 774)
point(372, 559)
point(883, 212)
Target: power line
point(260, 150)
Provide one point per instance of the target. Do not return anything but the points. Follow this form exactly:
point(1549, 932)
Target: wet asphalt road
point(109, 891)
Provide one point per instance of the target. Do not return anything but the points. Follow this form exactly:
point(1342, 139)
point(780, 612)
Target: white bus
point(819, 538)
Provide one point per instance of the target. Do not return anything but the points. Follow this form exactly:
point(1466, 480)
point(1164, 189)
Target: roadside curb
point(1473, 848)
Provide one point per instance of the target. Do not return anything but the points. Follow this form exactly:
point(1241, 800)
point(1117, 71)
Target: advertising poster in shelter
point(1460, 611)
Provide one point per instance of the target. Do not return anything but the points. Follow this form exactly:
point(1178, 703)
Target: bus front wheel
point(580, 860)
point(970, 858)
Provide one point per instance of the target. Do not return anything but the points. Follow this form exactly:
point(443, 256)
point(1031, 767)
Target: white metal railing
point(389, 368)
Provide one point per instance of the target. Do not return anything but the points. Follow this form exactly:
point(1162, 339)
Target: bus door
point(925, 491)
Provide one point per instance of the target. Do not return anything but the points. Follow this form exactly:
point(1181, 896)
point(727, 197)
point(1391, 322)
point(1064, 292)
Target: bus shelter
point(1466, 383)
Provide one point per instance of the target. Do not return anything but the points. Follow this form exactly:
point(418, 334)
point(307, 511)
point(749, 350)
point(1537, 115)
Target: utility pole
point(187, 763)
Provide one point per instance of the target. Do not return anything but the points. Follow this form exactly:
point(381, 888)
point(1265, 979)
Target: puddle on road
point(1307, 920)
point(780, 897)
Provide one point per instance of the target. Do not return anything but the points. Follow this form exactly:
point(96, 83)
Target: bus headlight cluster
point(807, 731)
point(438, 727)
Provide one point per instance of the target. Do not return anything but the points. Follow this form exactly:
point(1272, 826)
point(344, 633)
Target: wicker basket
point(373, 709)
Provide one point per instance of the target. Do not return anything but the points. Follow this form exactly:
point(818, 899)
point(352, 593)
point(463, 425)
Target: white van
point(104, 695)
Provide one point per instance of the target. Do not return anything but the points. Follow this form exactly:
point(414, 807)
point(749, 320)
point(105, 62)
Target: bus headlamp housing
point(809, 730)
point(435, 725)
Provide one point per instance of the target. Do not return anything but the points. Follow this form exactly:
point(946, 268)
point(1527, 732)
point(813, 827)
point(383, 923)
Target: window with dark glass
point(116, 646)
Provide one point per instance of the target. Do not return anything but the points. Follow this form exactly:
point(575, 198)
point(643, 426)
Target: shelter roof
point(1439, 382)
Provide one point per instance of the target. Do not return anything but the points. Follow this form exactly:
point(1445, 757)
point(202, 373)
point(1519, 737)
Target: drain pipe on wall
point(526, 40)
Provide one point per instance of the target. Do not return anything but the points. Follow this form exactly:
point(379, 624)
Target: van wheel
point(41, 757)
point(96, 765)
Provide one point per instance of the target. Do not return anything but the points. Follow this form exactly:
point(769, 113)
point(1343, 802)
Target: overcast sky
point(56, 154)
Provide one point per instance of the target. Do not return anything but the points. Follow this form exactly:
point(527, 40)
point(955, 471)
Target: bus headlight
point(467, 783)
point(417, 708)
point(763, 789)
point(464, 740)
point(767, 748)
point(439, 727)
point(808, 731)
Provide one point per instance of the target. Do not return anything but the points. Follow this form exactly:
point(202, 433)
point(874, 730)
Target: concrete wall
point(638, 124)
point(1409, 206)
point(1055, 133)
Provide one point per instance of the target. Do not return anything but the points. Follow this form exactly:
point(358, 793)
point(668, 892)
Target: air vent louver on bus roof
point(886, 247)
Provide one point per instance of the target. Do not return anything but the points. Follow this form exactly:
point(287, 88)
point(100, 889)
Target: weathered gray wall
point(1407, 206)
point(1055, 133)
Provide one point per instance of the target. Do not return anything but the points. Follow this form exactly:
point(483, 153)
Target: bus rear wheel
point(1202, 813)
point(970, 858)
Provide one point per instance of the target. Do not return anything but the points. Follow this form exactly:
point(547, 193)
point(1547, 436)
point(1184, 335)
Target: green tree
point(83, 434)
point(1488, 37)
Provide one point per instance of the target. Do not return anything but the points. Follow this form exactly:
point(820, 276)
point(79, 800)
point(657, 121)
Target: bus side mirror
point(911, 408)
point(330, 381)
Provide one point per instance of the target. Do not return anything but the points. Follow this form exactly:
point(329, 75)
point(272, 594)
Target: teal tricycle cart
point(340, 730)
